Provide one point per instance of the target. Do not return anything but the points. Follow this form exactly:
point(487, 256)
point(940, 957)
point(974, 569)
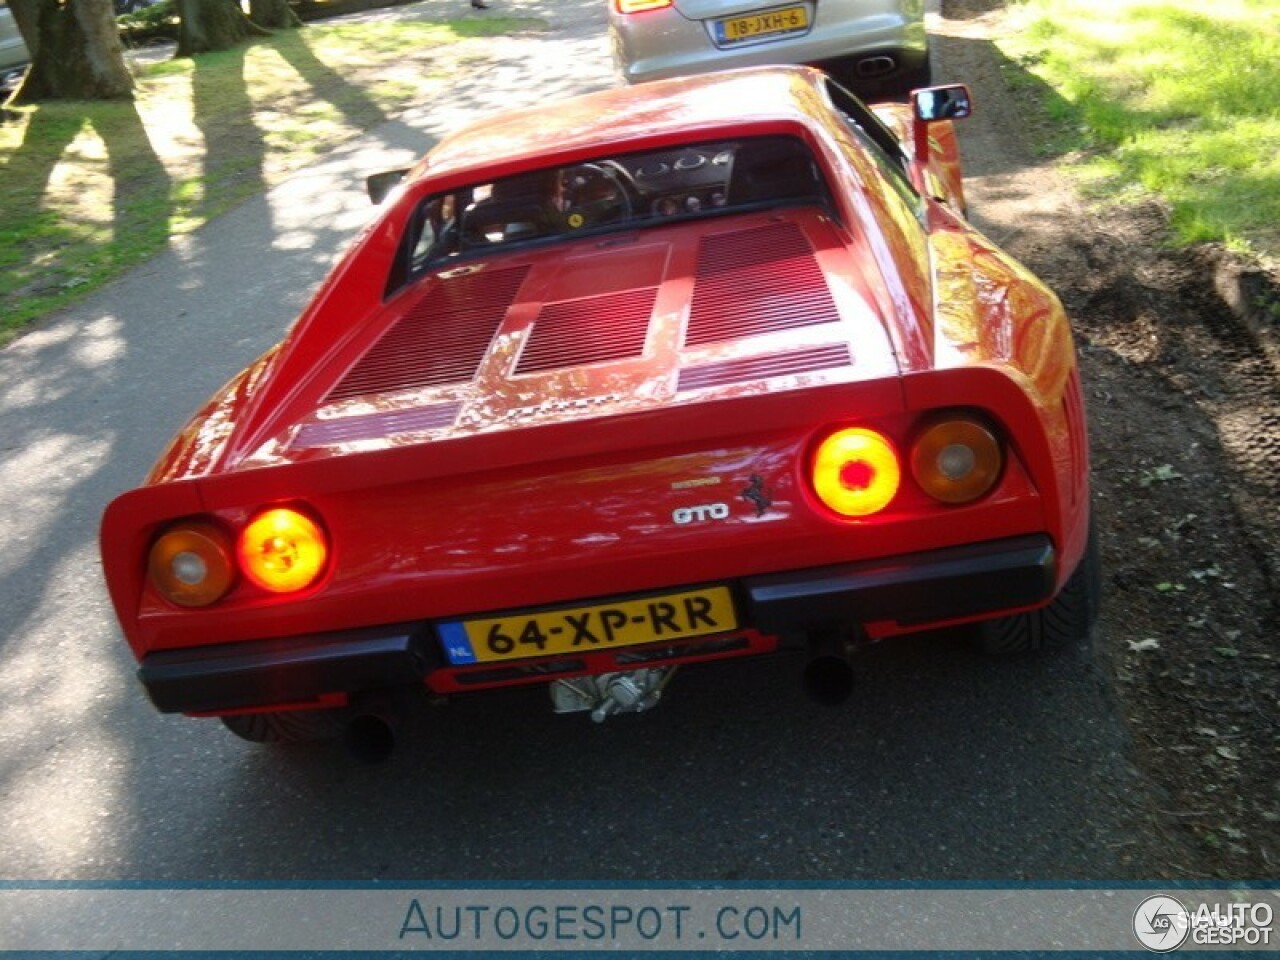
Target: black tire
point(291, 726)
point(1067, 620)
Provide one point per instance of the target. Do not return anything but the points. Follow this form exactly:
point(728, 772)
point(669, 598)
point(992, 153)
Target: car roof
point(746, 101)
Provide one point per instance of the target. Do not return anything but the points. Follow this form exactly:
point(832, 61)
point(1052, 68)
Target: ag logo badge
point(1161, 924)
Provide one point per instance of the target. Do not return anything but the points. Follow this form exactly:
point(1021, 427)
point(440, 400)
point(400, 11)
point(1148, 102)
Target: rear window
point(612, 193)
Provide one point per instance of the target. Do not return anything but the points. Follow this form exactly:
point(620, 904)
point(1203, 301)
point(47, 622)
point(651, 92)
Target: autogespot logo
point(1161, 924)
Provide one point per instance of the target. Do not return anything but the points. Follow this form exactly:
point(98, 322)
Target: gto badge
point(701, 513)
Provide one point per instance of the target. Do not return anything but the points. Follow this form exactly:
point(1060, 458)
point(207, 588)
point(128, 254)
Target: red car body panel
point(571, 399)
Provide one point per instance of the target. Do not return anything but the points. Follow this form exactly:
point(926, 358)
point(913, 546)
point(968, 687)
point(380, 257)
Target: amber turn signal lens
point(956, 461)
point(638, 6)
point(856, 472)
point(282, 550)
point(190, 565)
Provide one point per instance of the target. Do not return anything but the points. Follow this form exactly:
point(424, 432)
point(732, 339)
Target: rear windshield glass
point(622, 192)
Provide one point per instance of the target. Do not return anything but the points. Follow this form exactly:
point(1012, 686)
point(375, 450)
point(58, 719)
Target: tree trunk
point(206, 25)
point(273, 14)
point(77, 56)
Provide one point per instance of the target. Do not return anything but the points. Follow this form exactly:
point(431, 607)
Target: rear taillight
point(282, 550)
point(190, 564)
point(639, 6)
point(195, 563)
point(856, 472)
point(957, 459)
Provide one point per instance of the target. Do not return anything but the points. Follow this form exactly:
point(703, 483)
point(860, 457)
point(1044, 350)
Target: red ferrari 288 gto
point(705, 368)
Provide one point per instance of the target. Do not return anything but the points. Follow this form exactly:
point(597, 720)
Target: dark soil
point(1185, 419)
point(1181, 362)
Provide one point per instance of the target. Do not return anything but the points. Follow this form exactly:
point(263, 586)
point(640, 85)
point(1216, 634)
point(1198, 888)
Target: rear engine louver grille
point(760, 368)
point(591, 330)
point(374, 426)
point(441, 339)
point(757, 281)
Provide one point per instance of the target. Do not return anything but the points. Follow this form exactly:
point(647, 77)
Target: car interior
point(611, 193)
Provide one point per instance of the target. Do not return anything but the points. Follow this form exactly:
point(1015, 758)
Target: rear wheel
point(289, 726)
point(1066, 620)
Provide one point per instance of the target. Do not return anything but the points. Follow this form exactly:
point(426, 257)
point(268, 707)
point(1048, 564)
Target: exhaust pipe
point(373, 730)
point(876, 66)
point(828, 675)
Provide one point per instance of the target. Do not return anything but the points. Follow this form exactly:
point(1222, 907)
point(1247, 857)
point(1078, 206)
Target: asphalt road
point(944, 765)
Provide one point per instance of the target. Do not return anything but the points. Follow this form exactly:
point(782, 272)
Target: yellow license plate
point(623, 623)
point(771, 23)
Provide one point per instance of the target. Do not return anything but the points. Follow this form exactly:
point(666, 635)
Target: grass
point(88, 190)
point(1172, 97)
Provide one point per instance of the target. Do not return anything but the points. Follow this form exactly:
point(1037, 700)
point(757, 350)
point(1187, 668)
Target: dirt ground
point(1181, 362)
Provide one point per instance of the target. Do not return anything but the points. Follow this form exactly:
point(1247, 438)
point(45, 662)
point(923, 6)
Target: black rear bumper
point(288, 670)
point(936, 585)
point(920, 588)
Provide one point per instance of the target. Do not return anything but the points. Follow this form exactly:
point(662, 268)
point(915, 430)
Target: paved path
point(86, 403)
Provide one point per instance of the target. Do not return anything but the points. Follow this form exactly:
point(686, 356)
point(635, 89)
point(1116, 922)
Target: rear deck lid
point(633, 322)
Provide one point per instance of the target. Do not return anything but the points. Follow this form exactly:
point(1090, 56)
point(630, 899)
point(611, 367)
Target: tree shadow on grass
point(357, 106)
point(235, 148)
point(44, 254)
point(237, 145)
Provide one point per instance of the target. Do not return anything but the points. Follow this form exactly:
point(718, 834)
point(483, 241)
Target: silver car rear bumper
point(664, 43)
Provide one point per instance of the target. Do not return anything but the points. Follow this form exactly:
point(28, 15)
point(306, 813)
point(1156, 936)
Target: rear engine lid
point(628, 323)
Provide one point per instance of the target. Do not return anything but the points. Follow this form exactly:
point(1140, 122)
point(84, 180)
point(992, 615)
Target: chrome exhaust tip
point(875, 66)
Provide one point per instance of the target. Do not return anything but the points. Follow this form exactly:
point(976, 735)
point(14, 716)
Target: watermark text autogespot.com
point(569, 923)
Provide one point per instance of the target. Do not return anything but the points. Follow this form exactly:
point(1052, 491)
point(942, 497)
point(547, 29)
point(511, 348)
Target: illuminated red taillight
point(282, 550)
point(956, 460)
point(856, 472)
point(190, 564)
point(639, 6)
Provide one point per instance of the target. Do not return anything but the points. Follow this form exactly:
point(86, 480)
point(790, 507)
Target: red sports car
point(706, 368)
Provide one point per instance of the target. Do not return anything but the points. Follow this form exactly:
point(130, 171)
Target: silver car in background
point(13, 52)
point(876, 48)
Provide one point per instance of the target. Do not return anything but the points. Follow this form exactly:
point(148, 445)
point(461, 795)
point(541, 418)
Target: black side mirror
point(380, 184)
point(941, 103)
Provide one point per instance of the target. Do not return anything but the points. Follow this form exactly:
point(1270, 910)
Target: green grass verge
point(1172, 97)
point(88, 190)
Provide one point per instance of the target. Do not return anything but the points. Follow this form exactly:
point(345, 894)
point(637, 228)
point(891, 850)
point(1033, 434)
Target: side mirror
point(941, 103)
point(380, 184)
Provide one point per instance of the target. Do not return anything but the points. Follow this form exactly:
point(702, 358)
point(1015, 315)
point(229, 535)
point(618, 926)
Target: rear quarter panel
point(988, 311)
point(992, 313)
